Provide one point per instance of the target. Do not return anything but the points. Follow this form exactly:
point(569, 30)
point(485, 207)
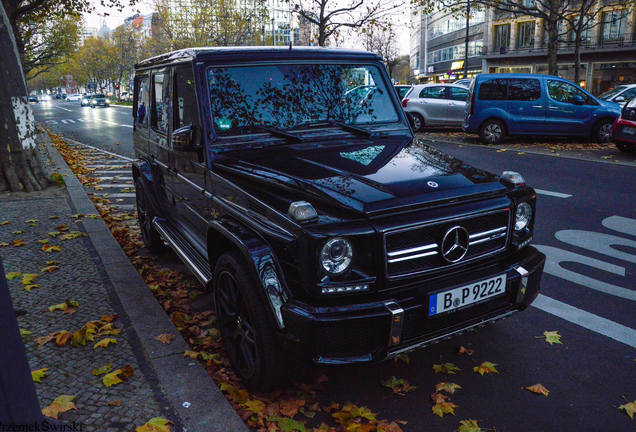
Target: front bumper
point(378, 330)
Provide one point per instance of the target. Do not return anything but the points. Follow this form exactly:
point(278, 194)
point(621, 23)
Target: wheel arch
point(227, 235)
point(497, 118)
point(606, 117)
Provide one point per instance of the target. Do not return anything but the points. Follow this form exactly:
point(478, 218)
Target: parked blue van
point(532, 104)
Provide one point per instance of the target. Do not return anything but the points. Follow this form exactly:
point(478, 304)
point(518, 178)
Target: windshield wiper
point(278, 133)
point(347, 127)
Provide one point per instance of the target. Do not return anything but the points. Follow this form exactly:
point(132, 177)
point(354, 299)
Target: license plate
point(629, 130)
point(466, 295)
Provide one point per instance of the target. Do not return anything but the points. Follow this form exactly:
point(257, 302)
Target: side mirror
point(183, 139)
point(619, 99)
point(579, 100)
point(409, 117)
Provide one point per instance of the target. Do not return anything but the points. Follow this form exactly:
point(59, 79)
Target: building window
point(525, 32)
point(502, 36)
point(586, 32)
point(614, 25)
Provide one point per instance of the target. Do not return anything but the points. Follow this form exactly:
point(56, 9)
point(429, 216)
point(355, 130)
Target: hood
point(367, 178)
point(610, 106)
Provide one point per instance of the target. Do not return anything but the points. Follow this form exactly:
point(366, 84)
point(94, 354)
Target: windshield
point(611, 93)
point(287, 96)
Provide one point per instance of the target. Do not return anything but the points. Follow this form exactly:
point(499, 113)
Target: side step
point(189, 255)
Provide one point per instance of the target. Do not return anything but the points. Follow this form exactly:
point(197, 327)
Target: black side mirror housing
point(183, 139)
point(579, 100)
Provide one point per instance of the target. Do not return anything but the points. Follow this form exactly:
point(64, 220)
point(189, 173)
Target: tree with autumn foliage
point(20, 165)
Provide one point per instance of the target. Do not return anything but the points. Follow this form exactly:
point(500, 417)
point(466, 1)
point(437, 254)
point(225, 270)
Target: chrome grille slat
point(488, 234)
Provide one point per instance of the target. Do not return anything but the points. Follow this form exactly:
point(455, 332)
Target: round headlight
point(524, 214)
point(336, 255)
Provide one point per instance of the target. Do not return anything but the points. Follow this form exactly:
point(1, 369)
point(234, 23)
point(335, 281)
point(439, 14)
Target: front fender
point(259, 257)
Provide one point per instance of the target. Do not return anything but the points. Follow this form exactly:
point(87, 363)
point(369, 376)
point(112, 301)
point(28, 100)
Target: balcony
point(564, 46)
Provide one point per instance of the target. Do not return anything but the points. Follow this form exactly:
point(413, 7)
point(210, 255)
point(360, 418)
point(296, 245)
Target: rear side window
point(494, 89)
point(433, 93)
point(161, 101)
point(143, 101)
point(458, 94)
point(524, 89)
point(564, 92)
point(186, 100)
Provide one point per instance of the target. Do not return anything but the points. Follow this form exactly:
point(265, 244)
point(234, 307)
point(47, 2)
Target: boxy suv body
point(324, 229)
point(530, 104)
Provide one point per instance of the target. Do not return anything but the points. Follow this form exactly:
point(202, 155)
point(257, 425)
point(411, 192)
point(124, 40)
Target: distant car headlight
point(523, 216)
point(336, 255)
point(107, 100)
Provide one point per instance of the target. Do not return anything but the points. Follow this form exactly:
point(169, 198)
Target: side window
point(459, 94)
point(564, 92)
point(161, 102)
point(185, 112)
point(143, 100)
point(524, 89)
point(628, 94)
point(435, 92)
point(493, 89)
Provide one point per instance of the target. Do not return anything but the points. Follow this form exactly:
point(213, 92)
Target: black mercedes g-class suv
point(290, 182)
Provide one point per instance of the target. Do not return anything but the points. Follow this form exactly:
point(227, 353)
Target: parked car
point(34, 98)
point(99, 99)
point(324, 229)
point(466, 82)
point(402, 90)
point(528, 104)
point(436, 105)
point(125, 96)
point(624, 130)
point(73, 97)
point(85, 101)
point(620, 94)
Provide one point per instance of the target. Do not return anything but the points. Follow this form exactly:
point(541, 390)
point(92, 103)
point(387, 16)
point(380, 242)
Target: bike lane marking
point(586, 320)
point(553, 194)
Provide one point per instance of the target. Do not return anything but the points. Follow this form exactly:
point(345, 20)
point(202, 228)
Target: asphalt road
point(586, 224)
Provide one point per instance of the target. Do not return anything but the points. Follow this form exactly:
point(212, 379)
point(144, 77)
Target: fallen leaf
point(31, 221)
point(289, 407)
point(447, 387)
point(156, 424)
point(17, 232)
point(93, 216)
point(403, 357)
point(4, 244)
point(192, 354)
point(399, 386)
point(54, 217)
point(552, 337)
point(103, 369)
point(444, 408)
point(448, 368)
point(17, 243)
point(44, 339)
point(29, 278)
point(50, 269)
point(5, 223)
point(50, 248)
point(439, 398)
point(45, 241)
point(30, 287)
point(55, 233)
point(485, 367)
point(77, 216)
point(61, 404)
point(63, 338)
point(165, 338)
point(105, 342)
point(629, 408)
point(50, 263)
point(463, 350)
point(108, 318)
point(539, 389)
point(469, 426)
point(118, 376)
point(114, 402)
point(64, 306)
point(38, 374)
point(287, 425)
point(12, 275)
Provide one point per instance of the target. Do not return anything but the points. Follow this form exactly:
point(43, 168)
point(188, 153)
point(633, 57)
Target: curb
point(183, 380)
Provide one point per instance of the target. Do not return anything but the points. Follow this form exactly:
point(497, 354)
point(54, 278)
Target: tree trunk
point(577, 54)
point(20, 164)
point(552, 26)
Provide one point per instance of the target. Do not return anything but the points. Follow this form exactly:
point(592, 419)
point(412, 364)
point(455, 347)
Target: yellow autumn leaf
point(447, 387)
point(165, 338)
point(5, 223)
point(539, 389)
point(50, 269)
point(629, 408)
point(442, 408)
point(38, 374)
point(17, 243)
point(4, 244)
point(12, 275)
point(29, 278)
point(448, 368)
point(50, 248)
point(105, 342)
point(469, 426)
point(30, 287)
point(61, 404)
point(103, 369)
point(485, 367)
point(156, 424)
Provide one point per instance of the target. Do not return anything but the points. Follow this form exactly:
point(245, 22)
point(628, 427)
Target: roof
point(257, 53)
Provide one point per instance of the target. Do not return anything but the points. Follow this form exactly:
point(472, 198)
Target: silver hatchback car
point(436, 105)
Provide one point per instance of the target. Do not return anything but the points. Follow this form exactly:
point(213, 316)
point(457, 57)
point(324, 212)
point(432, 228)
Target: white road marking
point(621, 224)
point(116, 124)
point(554, 194)
point(115, 185)
point(116, 178)
point(65, 109)
point(101, 151)
point(66, 121)
point(586, 320)
point(117, 195)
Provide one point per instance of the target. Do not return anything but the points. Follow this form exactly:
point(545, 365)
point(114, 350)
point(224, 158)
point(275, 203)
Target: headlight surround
point(523, 216)
point(336, 256)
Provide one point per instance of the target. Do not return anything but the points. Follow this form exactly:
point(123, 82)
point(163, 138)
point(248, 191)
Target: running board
point(189, 255)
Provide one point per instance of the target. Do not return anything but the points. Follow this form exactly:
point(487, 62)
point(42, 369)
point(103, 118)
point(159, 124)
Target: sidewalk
point(91, 269)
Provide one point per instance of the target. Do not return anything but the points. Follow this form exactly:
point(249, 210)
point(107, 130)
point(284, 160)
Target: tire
point(418, 122)
point(625, 148)
point(145, 215)
point(492, 132)
point(602, 131)
point(246, 326)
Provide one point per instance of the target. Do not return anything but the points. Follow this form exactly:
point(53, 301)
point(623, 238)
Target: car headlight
point(336, 255)
point(107, 100)
point(523, 216)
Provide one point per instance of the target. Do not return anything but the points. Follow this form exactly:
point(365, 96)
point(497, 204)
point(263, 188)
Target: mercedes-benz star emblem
point(455, 244)
point(432, 184)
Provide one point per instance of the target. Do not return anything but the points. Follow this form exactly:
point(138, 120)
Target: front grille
point(354, 338)
point(418, 249)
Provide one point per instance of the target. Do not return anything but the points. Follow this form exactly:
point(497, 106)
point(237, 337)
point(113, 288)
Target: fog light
point(514, 178)
point(302, 211)
point(344, 289)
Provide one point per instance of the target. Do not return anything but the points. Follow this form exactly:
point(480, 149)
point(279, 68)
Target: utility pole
point(467, 37)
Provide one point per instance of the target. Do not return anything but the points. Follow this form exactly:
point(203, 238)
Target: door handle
point(553, 108)
point(537, 106)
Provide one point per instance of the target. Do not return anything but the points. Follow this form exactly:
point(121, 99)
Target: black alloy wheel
point(246, 328)
point(145, 215)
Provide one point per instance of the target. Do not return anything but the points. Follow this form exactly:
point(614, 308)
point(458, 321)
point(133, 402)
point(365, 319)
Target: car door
point(433, 105)
point(158, 148)
point(526, 106)
point(563, 116)
point(457, 105)
point(189, 167)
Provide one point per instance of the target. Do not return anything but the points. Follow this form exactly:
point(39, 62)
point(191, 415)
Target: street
point(586, 225)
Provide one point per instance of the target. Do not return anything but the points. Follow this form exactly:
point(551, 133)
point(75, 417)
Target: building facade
point(500, 42)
